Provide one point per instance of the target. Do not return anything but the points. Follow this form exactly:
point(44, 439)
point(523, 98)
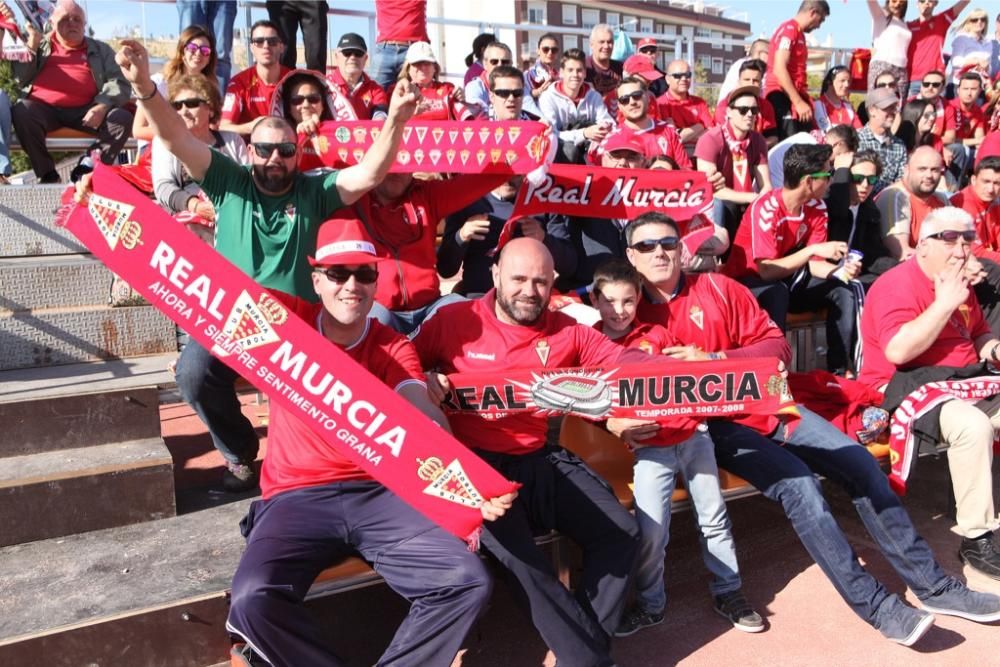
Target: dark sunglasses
point(681, 75)
point(953, 235)
point(932, 84)
point(743, 111)
point(499, 61)
point(261, 41)
point(549, 49)
point(634, 96)
point(353, 53)
point(886, 84)
point(286, 149)
point(193, 48)
point(312, 98)
point(667, 243)
point(504, 93)
point(648, 49)
point(365, 275)
point(861, 178)
point(190, 103)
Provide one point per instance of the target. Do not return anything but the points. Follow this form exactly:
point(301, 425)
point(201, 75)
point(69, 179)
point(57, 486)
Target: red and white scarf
point(742, 173)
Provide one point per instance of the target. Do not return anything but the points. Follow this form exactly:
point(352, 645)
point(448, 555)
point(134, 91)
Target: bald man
point(511, 327)
point(688, 113)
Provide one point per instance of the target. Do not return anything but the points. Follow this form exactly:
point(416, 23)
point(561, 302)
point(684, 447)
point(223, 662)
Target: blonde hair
point(975, 14)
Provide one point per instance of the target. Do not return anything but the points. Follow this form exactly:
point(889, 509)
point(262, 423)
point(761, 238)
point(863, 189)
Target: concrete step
point(64, 281)
point(26, 214)
point(146, 594)
point(66, 336)
point(71, 491)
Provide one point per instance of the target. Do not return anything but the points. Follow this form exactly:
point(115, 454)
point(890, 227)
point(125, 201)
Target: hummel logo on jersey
point(482, 355)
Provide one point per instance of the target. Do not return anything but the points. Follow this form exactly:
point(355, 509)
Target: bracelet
point(140, 98)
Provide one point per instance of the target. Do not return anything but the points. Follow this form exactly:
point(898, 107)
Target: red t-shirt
point(296, 456)
point(611, 102)
point(986, 216)
point(712, 147)
point(965, 122)
point(401, 21)
point(438, 103)
point(248, 96)
point(765, 119)
point(684, 113)
point(789, 37)
point(365, 98)
point(899, 296)
point(990, 146)
point(927, 43)
point(769, 231)
point(65, 80)
point(840, 115)
point(717, 314)
point(468, 337)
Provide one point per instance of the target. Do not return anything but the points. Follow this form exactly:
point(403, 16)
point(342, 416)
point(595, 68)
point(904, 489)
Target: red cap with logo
point(343, 240)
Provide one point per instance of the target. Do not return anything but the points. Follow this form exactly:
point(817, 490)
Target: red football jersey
point(789, 37)
point(768, 231)
point(248, 96)
point(468, 337)
point(965, 122)
point(366, 96)
point(927, 43)
point(986, 216)
point(684, 113)
point(296, 456)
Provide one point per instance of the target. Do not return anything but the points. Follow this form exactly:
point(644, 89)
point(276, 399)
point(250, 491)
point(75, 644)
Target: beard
point(524, 311)
point(273, 178)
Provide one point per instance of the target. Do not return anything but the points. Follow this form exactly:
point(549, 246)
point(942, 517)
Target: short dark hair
point(821, 6)
point(804, 159)
point(988, 162)
point(548, 35)
point(615, 270)
point(868, 155)
point(572, 54)
point(264, 23)
point(845, 133)
point(756, 64)
point(633, 80)
point(937, 72)
point(971, 76)
point(649, 218)
point(505, 72)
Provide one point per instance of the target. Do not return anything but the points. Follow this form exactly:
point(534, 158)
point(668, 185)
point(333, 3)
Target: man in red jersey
point(787, 88)
point(511, 327)
point(318, 506)
point(688, 113)
point(718, 318)
point(248, 95)
point(964, 123)
point(369, 100)
point(922, 324)
point(981, 200)
point(632, 101)
point(927, 32)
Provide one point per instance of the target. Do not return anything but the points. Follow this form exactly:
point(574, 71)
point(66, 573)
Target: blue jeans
point(4, 134)
point(656, 470)
point(785, 472)
point(218, 16)
point(407, 322)
point(387, 62)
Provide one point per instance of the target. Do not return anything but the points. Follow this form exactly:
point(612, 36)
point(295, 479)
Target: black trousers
point(787, 126)
point(309, 14)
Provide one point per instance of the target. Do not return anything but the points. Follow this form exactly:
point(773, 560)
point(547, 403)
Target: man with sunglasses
point(751, 73)
point(717, 318)
point(266, 222)
point(249, 93)
point(545, 71)
point(636, 67)
point(931, 88)
point(688, 113)
point(927, 34)
point(318, 506)
point(367, 97)
point(922, 324)
point(477, 91)
point(635, 106)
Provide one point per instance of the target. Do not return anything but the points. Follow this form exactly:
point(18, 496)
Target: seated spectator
point(574, 109)
point(636, 67)
point(249, 94)
point(474, 61)
point(922, 324)
point(648, 49)
point(932, 89)
point(71, 81)
point(833, 106)
point(477, 91)
point(842, 138)
point(756, 51)
point(917, 126)
point(689, 113)
point(633, 102)
point(440, 100)
point(739, 153)
point(306, 100)
point(904, 205)
point(603, 73)
point(197, 101)
point(545, 71)
point(883, 107)
point(368, 98)
point(980, 200)
point(781, 252)
point(885, 80)
point(964, 124)
point(752, 74)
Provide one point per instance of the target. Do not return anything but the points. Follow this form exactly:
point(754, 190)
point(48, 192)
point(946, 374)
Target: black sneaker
point(734, 607)
point(958, 600)
point(239, 477)
point(981, 555)
point(636, 619)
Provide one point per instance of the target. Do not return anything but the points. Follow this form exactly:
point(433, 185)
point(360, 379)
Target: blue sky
point(849, 23)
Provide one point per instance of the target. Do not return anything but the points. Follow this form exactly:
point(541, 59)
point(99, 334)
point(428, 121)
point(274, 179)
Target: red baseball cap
point(624, 140)
point(639, 64)
point(343, 240)
point(646, 41)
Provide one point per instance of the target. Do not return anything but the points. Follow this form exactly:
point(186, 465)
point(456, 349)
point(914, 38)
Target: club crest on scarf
point(448, 482)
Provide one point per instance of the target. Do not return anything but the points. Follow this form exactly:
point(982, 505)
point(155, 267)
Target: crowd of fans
point(818, 205)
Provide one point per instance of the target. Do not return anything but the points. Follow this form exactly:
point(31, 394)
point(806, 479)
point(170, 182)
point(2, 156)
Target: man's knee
point(255, 599)
point(801, 496)
point(967, 429)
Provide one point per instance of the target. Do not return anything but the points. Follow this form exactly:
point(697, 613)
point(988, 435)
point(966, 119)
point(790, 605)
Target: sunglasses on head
point(190, 103)
point(862, 178)
point(743, 111)
point(504, 93)
point(932, 84)
point(499, 61)
point(681, 75)
point(352, 53)
point(365, 275)
point(261, 41)
point(193, 48)
point(953, 235)
point(311, 98)
point(634, 96)
point(286, 149)
point(667, 243)
point(549, 49)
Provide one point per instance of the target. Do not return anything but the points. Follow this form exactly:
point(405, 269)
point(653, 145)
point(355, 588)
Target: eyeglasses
point(743, 111)
point(261, 41)
point(190, 103)
point(886, 84)
point(634, 96)
point(978, 19)
point(504, 93)
point(193, 48)
point(681, 75)
point(286, 149)
point(821, 174)
point(952, 236)
point(352, 53)
point(549, 49)
point(861, 178)
point(365, 275)
point(932, 84)
point(312, 98)
point(931, 115)
point(499, 61)
point(667, 243)
point(648, 49)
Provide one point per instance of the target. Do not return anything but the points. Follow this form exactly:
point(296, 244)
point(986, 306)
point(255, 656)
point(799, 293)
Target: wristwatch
point(715, 356)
